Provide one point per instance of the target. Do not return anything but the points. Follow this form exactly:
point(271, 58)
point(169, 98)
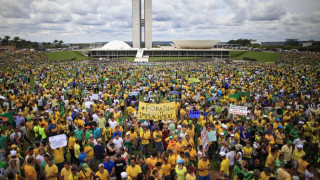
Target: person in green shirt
point(88, 132)
point(42, 131)
point(3, 142)
point(79, 133)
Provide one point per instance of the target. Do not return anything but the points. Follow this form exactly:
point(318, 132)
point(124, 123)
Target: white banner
point(204, 138)
point(58, 141)
point(241, 110)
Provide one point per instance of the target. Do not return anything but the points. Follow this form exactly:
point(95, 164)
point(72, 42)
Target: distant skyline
point(76, 21)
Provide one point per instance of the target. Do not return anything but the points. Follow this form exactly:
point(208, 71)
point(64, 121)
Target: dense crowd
point(277, 139)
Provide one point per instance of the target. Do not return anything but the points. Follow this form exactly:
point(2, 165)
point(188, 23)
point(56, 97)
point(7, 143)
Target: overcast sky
point(107, 20)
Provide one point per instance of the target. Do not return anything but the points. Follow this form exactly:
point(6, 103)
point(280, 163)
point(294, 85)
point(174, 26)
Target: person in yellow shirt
point(302, 164)
point(271, 158)
point(66, 171)
point(133, 170)
point(30, 172)
point(266, 174)
point(51, 170)
point(297, 154)
point(247, 153)
point(203, 167)
point(224, 166)
point(193, 154)
point(167, 168)
point(86, 173)
point(157, 137)
point(102, 173)
point(90, 155)
point(71, 143)
point(145, 140)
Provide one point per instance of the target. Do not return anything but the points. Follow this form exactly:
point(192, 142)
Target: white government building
point(180, 48)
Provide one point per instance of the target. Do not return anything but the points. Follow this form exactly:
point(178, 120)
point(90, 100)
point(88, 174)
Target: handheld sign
point(194, 114)
point(163, 111)
point(58, 141)
point(241, 110)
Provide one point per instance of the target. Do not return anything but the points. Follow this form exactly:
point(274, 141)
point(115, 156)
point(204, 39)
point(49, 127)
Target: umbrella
point(293, 96)
point(88, 104)
point(193, 80)
point(213, 99)
point(134, 93)
point(174, 92)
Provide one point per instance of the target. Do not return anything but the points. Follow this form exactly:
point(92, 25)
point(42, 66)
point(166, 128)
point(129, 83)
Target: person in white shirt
point(300, 141)
point(112, 123)
point(118, 141)
point(95, 117)
point(309, 172)
point(231, 156)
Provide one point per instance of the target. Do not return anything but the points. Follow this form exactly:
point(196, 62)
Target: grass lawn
point(259, 56)
point(64, 55)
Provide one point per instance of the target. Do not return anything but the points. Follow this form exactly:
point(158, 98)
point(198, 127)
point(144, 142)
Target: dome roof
point(116, 45)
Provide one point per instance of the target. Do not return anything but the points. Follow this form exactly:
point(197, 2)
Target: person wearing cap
point(85, 172)
point(297, 155)
point(133, 170)
point(224, 166)
point(88, 132)
point(266, 173)
point(181, 170)
point(51, 170)
point(102, 173)
point(128, 142)
point(157, 137)
point(203, 167)
point(287, 150)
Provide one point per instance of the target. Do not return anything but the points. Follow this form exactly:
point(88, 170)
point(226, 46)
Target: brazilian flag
point(7, 117)
point(247, 176)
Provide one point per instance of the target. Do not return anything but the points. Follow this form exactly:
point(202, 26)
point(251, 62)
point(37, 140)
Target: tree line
point(19, 43)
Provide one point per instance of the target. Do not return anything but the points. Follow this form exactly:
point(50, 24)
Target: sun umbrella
point(213, 99)
point(193, 80)
point(134, 93)
point(174, 92)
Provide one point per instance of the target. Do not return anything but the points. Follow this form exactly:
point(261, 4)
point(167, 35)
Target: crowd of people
point(96, 106)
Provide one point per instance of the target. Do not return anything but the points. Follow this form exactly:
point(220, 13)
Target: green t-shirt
point(3, 139)
point(78, 134)
point(88, 135)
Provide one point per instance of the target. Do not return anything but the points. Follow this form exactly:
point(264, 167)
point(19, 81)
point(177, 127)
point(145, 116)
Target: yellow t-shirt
point(269, 161)
point(133, 172)
point(247, 150)
point(263, 176)
point(296, 155)
point(145, 135)
point(51, 170)
point(224, 166)
point(104, 175)
point(172, 161)
point(90, 154)
point(58, 155)
point(166, 168)
point(71, 142)
point(157, 135)
point(202, 164)
point(65, 173)
point(30, 171)
point(85, 175)
point(302, 166)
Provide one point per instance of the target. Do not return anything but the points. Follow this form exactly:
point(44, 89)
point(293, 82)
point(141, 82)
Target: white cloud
point(106, 20)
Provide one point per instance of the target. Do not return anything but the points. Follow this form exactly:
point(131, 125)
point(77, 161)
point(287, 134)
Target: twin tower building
point(142, 24)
